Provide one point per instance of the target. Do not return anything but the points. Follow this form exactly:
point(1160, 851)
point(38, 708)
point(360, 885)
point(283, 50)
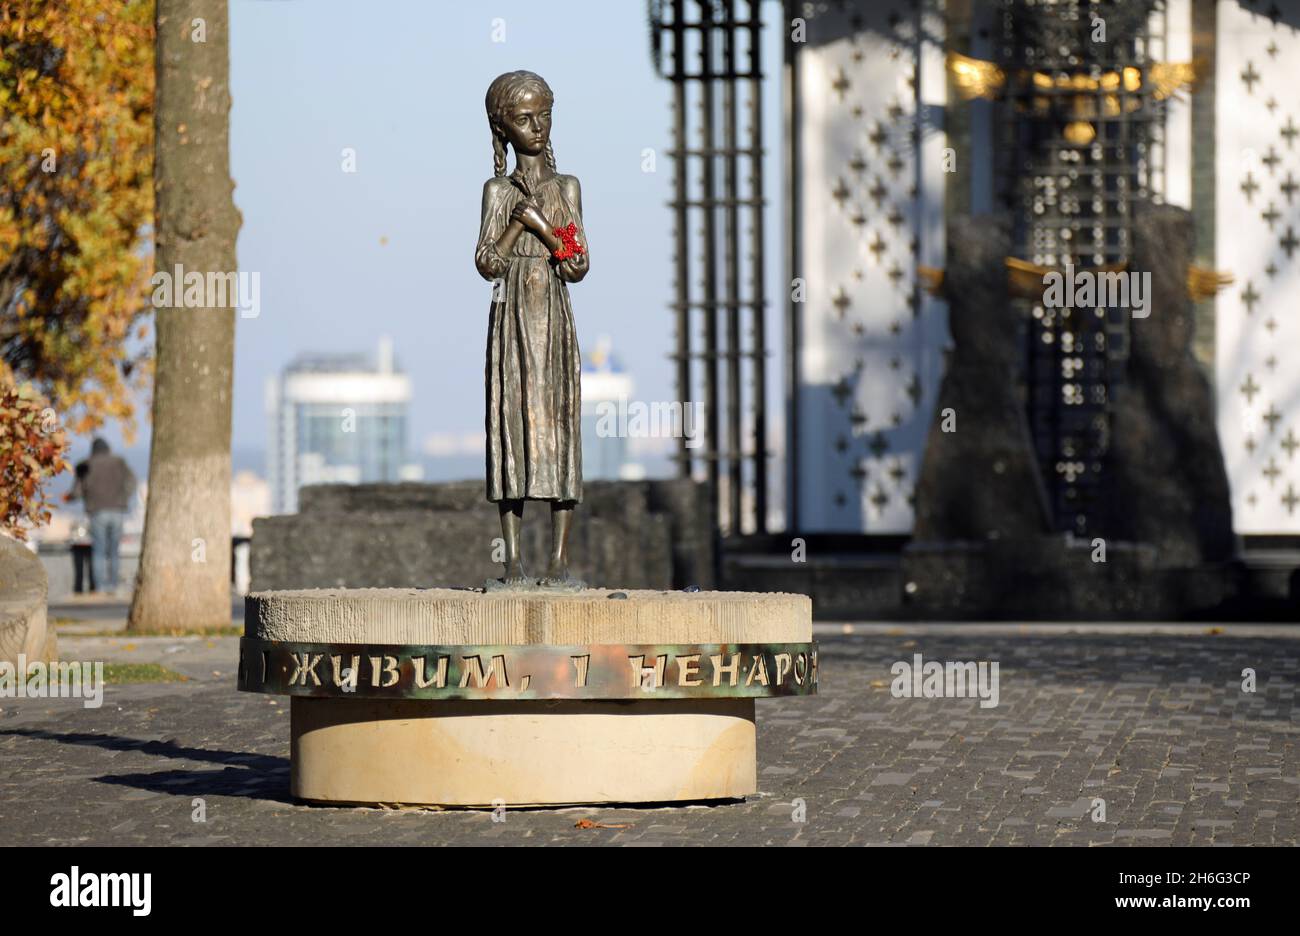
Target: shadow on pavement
point(260, 776)
point(232, 781)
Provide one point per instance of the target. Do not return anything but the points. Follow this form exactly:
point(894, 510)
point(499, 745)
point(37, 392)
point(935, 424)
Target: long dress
point(533, 373)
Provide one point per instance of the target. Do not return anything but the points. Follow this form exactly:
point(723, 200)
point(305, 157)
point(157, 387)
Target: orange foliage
point(76, 205)
point(31, 449)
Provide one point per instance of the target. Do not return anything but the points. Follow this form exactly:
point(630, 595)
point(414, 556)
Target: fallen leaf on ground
point(589, 824)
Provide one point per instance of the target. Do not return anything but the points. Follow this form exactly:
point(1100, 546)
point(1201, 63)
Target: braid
point(498, 155)
point(550, 156)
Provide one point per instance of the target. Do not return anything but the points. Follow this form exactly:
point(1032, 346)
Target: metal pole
point(794, 261)
point(732, 262)
point(757, 266)
point(710, 264)
point(682, 234)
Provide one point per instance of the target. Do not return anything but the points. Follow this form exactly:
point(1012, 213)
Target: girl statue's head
point(519, 113)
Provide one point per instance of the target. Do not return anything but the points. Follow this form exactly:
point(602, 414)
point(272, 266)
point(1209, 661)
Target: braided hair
point(503, 94)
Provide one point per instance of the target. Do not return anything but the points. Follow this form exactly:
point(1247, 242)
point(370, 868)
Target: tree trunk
point(184, 577)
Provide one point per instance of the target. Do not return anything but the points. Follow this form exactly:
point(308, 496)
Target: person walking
point(105, 489)
point(82, 551)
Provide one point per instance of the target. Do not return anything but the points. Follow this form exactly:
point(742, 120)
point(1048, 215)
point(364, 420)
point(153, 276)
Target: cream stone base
point(522, 753)
point(462, 616)
point(489, 752)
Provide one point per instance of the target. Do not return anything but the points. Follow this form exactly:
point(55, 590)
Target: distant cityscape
point(344, 418)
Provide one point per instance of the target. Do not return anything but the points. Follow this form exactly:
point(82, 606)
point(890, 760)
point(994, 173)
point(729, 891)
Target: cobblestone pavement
point(1156, 725)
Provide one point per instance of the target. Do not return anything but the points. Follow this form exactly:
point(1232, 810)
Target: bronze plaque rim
point(496, 672)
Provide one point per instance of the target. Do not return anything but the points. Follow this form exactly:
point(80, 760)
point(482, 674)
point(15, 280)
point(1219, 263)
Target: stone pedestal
point(25, 632)
point(522, 753)
point(459, 698)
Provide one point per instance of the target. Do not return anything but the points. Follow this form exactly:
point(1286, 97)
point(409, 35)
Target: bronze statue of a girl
point(531, 245)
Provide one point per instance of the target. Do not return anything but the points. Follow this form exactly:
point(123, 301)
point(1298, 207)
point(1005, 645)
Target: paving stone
point(1155, 725)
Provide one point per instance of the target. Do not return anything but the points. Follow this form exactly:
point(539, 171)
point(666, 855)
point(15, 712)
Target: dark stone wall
point(980, 482)
point(638, 534)
point(1165, 464)
point(1054, 577)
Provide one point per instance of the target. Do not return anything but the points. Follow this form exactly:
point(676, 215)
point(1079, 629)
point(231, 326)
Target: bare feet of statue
point(557, 573)
point(514, 579)
point(557, 576)
point(515, 574)
point(512, 515)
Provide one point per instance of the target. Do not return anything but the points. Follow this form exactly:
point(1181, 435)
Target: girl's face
point(528, 124)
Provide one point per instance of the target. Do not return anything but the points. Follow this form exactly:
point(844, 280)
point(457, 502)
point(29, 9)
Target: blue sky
point(346, 257)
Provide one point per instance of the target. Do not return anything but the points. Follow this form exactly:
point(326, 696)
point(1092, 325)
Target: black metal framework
point(1078, 132)
point(711, 52)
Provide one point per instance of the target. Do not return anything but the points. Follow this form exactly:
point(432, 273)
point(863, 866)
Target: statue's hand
point(530, 216)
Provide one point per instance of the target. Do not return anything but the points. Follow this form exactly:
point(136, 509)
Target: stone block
point(24, 625)
point(627, 534)
point(521, 754)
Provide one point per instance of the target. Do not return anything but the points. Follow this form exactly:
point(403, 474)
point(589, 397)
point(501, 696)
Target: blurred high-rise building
point(605, 385)
point(337, 418)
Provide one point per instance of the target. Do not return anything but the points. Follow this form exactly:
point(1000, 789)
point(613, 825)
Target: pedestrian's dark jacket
point(107, 484)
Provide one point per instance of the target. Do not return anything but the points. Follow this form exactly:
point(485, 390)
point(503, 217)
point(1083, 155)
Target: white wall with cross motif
point(1257, 239)
point(871, 347)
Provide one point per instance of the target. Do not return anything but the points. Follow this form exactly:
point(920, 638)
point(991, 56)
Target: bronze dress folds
point(534, 397)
